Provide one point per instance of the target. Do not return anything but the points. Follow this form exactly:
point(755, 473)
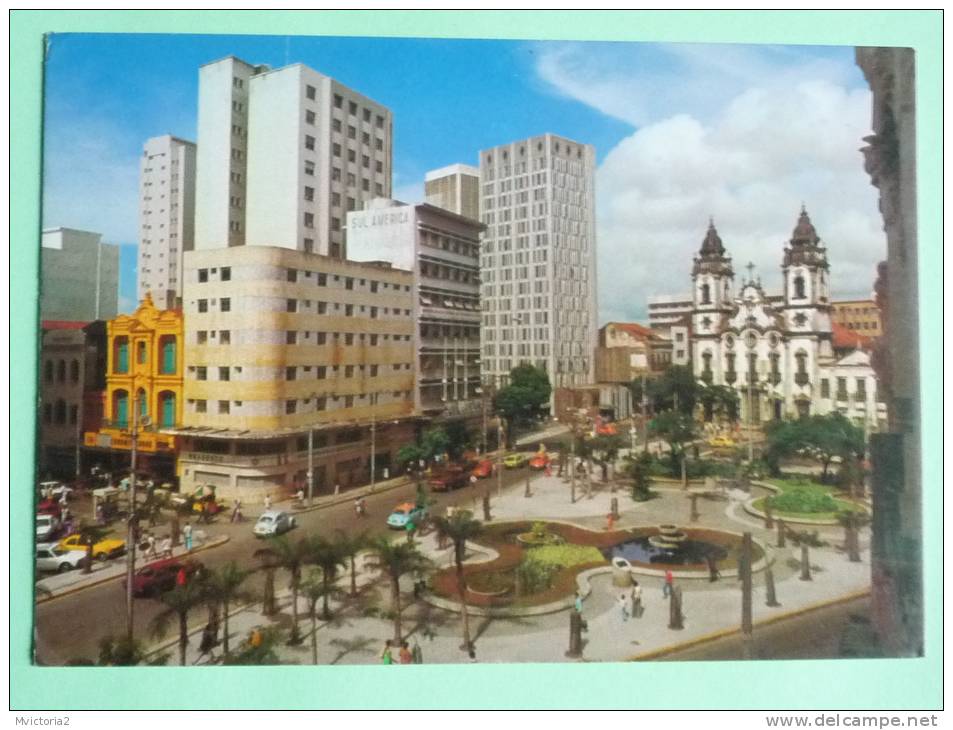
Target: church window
point(730, 374)
point(753, 368)
point(775, 376)
point(706, 294)
point(799, 287)
point(800, 319)
point(706, 371)
point(825, 388)
point(706, 323)
point(800, 377)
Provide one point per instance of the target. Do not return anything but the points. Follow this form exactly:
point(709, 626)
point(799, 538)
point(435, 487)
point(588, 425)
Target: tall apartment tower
point(296, 151)
point(166, 217)
point(539, 258)
point(455, 188)
point(79, 276)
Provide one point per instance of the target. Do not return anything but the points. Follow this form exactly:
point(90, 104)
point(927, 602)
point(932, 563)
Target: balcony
point(730, 376)
point(707, 377)
point(801, 379)
point(774, 378)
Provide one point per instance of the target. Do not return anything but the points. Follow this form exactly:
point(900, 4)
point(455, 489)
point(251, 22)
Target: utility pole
point(572, 466)
point(645, 422)
point(746, 594)
point(131, 527)
point(499, 459)
point(373, 439)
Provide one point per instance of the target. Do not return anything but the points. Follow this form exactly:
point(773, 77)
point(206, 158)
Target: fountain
point(669, 539)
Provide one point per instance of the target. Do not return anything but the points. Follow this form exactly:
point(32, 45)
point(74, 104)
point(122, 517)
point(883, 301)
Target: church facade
point(778, 352)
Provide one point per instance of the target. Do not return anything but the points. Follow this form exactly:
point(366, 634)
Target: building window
point(225, 273)
point(338, 101)
point(380, 122)
point(825, 388)
point(201, 337)
point(336, 125)
point(309, 220)
point(120, 408)
point(309, 245)
point(203, 305)
point(308, 193)
point(291, 373)
point(291, 305)
point(121, 355)
point(167, 409)
point(351, 132)
point(48, 371)
point(225, 305)
point(308, 167)
point(322, 372)
point(74, 371)
point(224, 337)
point(309, 117)
point(223, 407)
point(800, 377)
point(309, 91)
point(308, 142)
point(861, 392)
point(167, 353)
point(200, 406)
point(291, 337)
point(203, 276)
point(224, 373)
point(48, 413)
point(201, 372)
point(705, 294)
point(291, 406)
point(799, 287)
point(335, 224)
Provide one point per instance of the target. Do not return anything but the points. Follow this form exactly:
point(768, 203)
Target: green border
point(861, 684)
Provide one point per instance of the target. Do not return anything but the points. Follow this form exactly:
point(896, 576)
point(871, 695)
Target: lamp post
point(499, 459)
point(645, 421)
point(131, 521)
point(373, 439)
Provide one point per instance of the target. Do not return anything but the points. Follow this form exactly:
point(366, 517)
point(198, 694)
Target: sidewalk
point(356, 633)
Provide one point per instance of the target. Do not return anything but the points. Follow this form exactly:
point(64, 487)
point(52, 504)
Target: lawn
point(803, 497)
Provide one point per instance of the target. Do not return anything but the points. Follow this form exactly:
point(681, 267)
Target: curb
point(722, 633)
point(221, 540)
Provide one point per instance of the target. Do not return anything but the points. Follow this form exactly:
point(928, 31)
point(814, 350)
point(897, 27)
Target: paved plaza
point(356, 634)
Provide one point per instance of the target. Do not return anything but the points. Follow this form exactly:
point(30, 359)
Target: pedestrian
point(636, 598)
point(99, 515)
point(337, 489)
point(207, 643)
point(417, 652)
point(187, 534)
point(577, 603)
point(267, 502)
point(181, 578)
point(669, 583)
point(150, 546)
point(386, 656)
point(610, 522)
point(254, 638)
point(166, 550)
point(471, 652)
point(405, 655)
point(623, 603)
point(299, 495)
point(411, 529)
point(64, 499)
point(236, 506)
point(713, 572)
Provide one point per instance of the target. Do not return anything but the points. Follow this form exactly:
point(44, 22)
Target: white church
point(780, 352)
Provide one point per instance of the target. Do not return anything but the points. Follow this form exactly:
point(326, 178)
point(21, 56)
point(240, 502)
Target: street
point(71, 626)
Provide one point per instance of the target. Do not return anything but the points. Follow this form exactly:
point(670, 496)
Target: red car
point(159, 577)
point(453, 477)
point(483, 470)
point(50, 507)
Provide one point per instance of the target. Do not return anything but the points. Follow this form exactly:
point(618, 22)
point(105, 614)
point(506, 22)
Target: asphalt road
point(812, 635)
point(71, 626)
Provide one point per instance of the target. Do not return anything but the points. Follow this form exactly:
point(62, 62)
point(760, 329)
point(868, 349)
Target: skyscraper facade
point(455, 188)
point(284, 154)
point(166, 217)
point(79, 278)
point(538, 258)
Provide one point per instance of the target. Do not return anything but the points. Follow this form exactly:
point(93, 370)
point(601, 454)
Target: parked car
point(56, 489)
point(607, 429)
point(540, 461)
point(483, 469)
point(109, 547)
point(721, 442)
point(50, 507)
point(515, 461)
point(453, 477)
point(404, 513)
point(50, 557)
point(46, 527)
point(273, 522)
point(159, 577)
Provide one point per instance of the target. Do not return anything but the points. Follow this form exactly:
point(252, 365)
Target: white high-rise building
point(289, 152)
point(538, 263)
point(79, 276)
point(166, 217)
point(455, 188)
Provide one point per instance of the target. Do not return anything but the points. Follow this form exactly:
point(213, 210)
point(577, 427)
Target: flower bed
point(802, 497)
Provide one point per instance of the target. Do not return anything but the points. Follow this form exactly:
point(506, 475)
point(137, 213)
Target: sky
point(683, 132)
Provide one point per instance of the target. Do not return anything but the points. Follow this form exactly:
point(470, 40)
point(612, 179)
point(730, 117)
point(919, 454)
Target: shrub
point(564, 556)
point(803, 500)
point(535, 576)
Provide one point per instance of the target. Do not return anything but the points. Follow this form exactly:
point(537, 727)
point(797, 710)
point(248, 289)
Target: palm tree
point(350, 546)
point(314, 589)
point(269, 564)
point(176, 605)
point(458, 528)
point(329, 556)
point(225, 587)
point(396, 559)
point(291, 556)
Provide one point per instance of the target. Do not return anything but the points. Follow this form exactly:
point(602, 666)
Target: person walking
point(207, 644)
point(405, 655)
point(187, 534)
point(713, 572)
point(181, 578)
point(236, 510)
point(299, 495)
point(150, 546)
point(386, 656)
point(577, 603)
point(623, 604)
point(267, 502)
point(669, 584)
point(610, 522)
point(636, 597)
point(417, 653)
point(166, 549)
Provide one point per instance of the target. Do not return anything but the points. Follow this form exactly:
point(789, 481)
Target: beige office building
point(279, 343)
point(455, 188)
point(166, 217)
point(861, 316)
point(284, 154)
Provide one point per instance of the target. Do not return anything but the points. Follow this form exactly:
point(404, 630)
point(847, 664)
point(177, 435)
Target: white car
point(54, 559)
point(273, 522)
point(46, 526)
point(57, 489)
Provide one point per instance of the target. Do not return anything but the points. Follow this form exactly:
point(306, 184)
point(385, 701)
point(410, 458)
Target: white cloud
point(741, 135)
point(410, 192)
point(90, 174)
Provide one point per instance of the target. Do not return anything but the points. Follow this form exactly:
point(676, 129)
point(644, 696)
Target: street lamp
point(131, 521)
point(373, 439)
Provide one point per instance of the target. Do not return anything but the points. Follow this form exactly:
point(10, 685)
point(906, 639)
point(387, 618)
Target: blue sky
point(681, 132)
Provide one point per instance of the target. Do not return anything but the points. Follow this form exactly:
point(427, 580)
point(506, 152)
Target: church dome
point(805, 247)
point(711, 259)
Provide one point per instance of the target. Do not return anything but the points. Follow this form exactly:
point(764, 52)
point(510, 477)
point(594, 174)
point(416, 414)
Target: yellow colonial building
point(143, 372)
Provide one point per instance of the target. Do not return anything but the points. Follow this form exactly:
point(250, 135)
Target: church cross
point(750, 268)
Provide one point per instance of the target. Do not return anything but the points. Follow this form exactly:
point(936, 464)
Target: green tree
point(291, 556)
point(396, 559)
point(524, 399)
point(410, 456)
point(351, 545)
point(833, 435)
point(176, 605)
point(458, 528)
point(677, 430)
point(637, 469)
point(314, 588)
point(124, 652)
point(434, 442)
point(720, 400)
point(459, 439)
point(224, 586)
point(261, 652)
point(89, 535)
point(329, 556)
point(604, 448)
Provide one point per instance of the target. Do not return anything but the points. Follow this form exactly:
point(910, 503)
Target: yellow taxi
point(108, 547)
point(721, 442)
